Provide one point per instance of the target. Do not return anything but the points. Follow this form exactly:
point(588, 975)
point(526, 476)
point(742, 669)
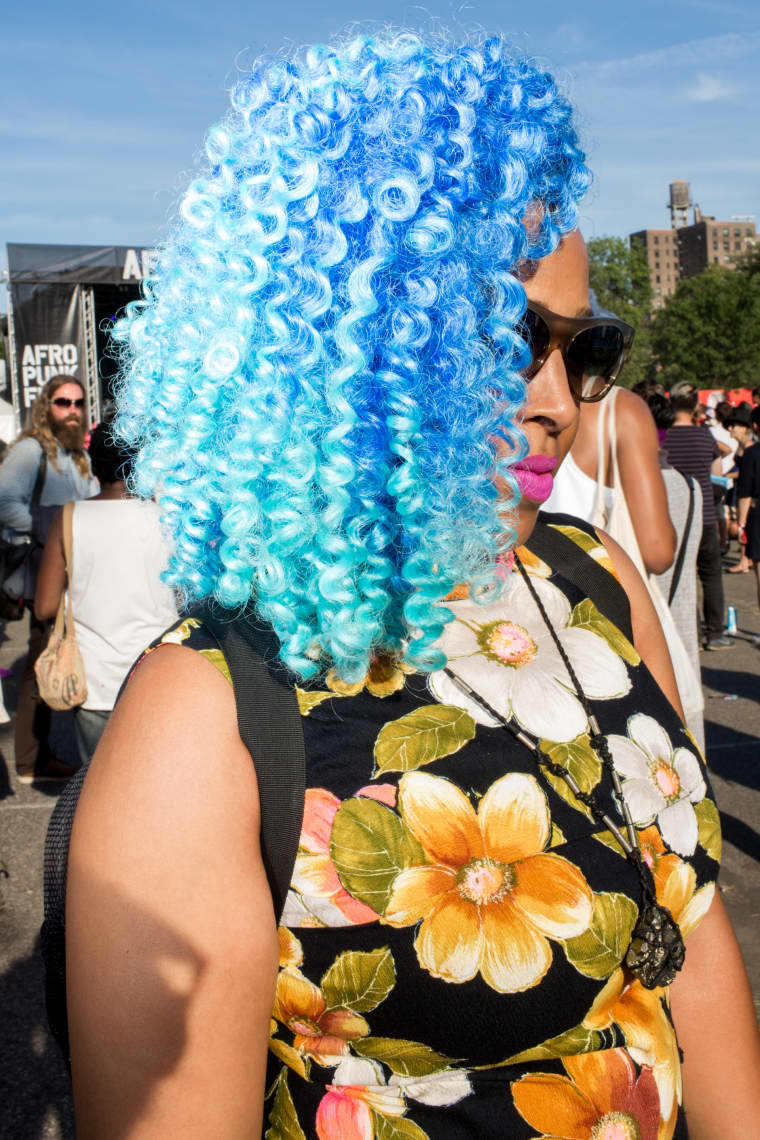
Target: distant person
point(693, 451)
point(53, 447)
point(727, 445)
point(587, 475)
point(741, 428)
point(685, 510)
point(120, 604)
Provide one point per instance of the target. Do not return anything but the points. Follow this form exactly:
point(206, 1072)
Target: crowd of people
point(370, 392)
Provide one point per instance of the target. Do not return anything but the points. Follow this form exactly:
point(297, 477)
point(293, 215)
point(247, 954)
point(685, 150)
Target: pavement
point(35, 1101)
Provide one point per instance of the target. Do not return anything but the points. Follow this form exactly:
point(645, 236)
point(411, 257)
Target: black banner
point(47, 336)
point(85, 264)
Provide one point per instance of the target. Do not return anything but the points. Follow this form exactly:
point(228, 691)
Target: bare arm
point(643, 483)
point(717, 1030)
point(171, 938)
point(51, 581)
point(722, 1067)
point(648, 637)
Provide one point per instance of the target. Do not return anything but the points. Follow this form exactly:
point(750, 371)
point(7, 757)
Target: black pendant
point(657, 951)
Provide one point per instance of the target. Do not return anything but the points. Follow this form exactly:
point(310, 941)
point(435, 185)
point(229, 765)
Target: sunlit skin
point(551, 415)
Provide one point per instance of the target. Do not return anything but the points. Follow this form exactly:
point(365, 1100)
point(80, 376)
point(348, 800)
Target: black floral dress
point(451, 948)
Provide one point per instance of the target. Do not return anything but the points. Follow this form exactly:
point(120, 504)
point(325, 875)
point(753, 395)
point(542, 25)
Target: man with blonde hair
point(49, 457)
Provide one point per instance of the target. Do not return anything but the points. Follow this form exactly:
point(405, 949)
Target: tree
point(709, 331)
point(619, 278)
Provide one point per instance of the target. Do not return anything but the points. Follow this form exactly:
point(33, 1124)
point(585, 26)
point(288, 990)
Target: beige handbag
point(59, 668)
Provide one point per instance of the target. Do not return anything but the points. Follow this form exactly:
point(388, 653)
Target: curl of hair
point(320, 369)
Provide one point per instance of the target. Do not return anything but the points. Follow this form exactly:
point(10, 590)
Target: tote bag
point(59, 669)
point(616, 521)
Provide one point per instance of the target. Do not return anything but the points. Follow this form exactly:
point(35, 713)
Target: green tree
point(709, 331)
point(619, 277)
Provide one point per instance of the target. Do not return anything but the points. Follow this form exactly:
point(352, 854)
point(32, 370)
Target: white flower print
point(505, 652)
point(659, 782)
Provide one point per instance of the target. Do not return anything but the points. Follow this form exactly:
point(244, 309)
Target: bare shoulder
point(635, 412)
point(171, 938)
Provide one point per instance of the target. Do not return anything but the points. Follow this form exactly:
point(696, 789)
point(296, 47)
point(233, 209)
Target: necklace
point(656, 951)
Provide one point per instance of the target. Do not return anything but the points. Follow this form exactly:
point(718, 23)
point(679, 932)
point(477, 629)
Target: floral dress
point(452, 945)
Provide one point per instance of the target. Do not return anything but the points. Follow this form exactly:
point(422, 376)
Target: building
point(687, 249)
point(662, 250)
point(709, 242)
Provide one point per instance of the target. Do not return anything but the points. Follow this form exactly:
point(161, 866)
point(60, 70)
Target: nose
point(549, 396)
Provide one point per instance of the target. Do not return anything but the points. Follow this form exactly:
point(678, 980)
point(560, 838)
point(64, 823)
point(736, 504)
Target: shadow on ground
point(37, 1091)
point(744, 685)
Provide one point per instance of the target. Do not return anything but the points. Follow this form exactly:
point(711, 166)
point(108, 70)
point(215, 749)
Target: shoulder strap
point(678, 566)
point(269, 722)
point(39, 482)
point(593, 580)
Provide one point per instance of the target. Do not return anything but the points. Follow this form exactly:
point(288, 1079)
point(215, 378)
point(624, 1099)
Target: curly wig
point(329, 346)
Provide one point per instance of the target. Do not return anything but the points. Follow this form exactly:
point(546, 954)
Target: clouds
point(708, 88)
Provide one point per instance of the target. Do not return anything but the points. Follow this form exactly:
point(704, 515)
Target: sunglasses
point(64, 402)
point(594, 349)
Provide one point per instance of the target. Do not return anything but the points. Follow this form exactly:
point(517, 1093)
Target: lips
point(534, 476)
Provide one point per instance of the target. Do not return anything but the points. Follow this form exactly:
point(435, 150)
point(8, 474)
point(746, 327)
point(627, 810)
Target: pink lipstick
point(534, 476)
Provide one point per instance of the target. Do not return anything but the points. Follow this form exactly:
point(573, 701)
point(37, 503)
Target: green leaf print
point(309, 700)
point(404, 1058)
point(587, 616)
point(358, 980)
point(283, 1122)
point(609, 840)
point(587, 542)
point(600, 949)
point(369, 845)
point(216, 657)
point(557, 837)
point(578, 758)
point(708, 823)
point(569, 1044)
point(396, 1128)
point(422, 736)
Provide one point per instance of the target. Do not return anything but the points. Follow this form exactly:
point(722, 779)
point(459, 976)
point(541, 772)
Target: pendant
point(657, 950)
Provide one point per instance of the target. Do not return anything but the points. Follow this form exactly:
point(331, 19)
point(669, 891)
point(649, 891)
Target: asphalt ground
point(35, 1102)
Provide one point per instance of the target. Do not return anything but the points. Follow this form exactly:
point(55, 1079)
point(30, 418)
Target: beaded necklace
point(656, 951)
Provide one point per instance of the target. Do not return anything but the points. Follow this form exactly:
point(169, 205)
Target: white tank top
point(120, 603)
point(574, 493)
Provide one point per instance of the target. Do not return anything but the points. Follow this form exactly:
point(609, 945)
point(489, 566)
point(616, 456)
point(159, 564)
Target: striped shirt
point(691, 450)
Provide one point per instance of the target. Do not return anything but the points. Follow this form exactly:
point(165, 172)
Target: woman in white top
point(120, 604)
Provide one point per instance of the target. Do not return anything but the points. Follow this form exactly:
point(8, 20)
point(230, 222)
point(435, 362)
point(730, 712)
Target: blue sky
point(104, 107)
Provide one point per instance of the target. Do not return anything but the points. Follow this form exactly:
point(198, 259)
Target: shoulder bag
point(59, 669)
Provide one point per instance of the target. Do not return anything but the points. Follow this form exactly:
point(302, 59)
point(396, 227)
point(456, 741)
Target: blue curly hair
point(315, 377)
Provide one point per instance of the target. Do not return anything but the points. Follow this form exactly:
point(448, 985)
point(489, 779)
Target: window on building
point(657, 278)
point(725, 233)
point(726, 245)
point(748, 232)
point(656, 240)
point(737, 245)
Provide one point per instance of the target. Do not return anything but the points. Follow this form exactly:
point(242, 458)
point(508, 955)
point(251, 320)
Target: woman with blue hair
point(348, 385)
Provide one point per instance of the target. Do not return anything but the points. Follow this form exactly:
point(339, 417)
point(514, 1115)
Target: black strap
point(269, 722)
point(39, 482)
point(578, 567)
point(678, 565)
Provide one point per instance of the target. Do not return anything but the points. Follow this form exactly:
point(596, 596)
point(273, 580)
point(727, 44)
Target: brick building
point(687, 249)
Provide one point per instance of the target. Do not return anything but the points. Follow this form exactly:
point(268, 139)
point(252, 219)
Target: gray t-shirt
point(18, 474)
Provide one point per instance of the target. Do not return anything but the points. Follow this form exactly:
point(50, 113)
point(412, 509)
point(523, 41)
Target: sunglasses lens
point(535, 332)
point(592, 357)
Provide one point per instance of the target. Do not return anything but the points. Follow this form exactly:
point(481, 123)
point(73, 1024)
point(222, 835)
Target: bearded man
point(46, 467)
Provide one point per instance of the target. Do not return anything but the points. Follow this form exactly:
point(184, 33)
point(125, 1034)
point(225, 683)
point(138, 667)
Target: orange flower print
point(676, 882)
point(317, 897)
point(488, 895)
point(386, 676)
point(320, 1032)
point(600, 1099)
point(649, 1036)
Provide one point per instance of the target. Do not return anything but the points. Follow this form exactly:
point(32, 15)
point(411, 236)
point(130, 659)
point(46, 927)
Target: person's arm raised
point(643, 484)
point(171, 937)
